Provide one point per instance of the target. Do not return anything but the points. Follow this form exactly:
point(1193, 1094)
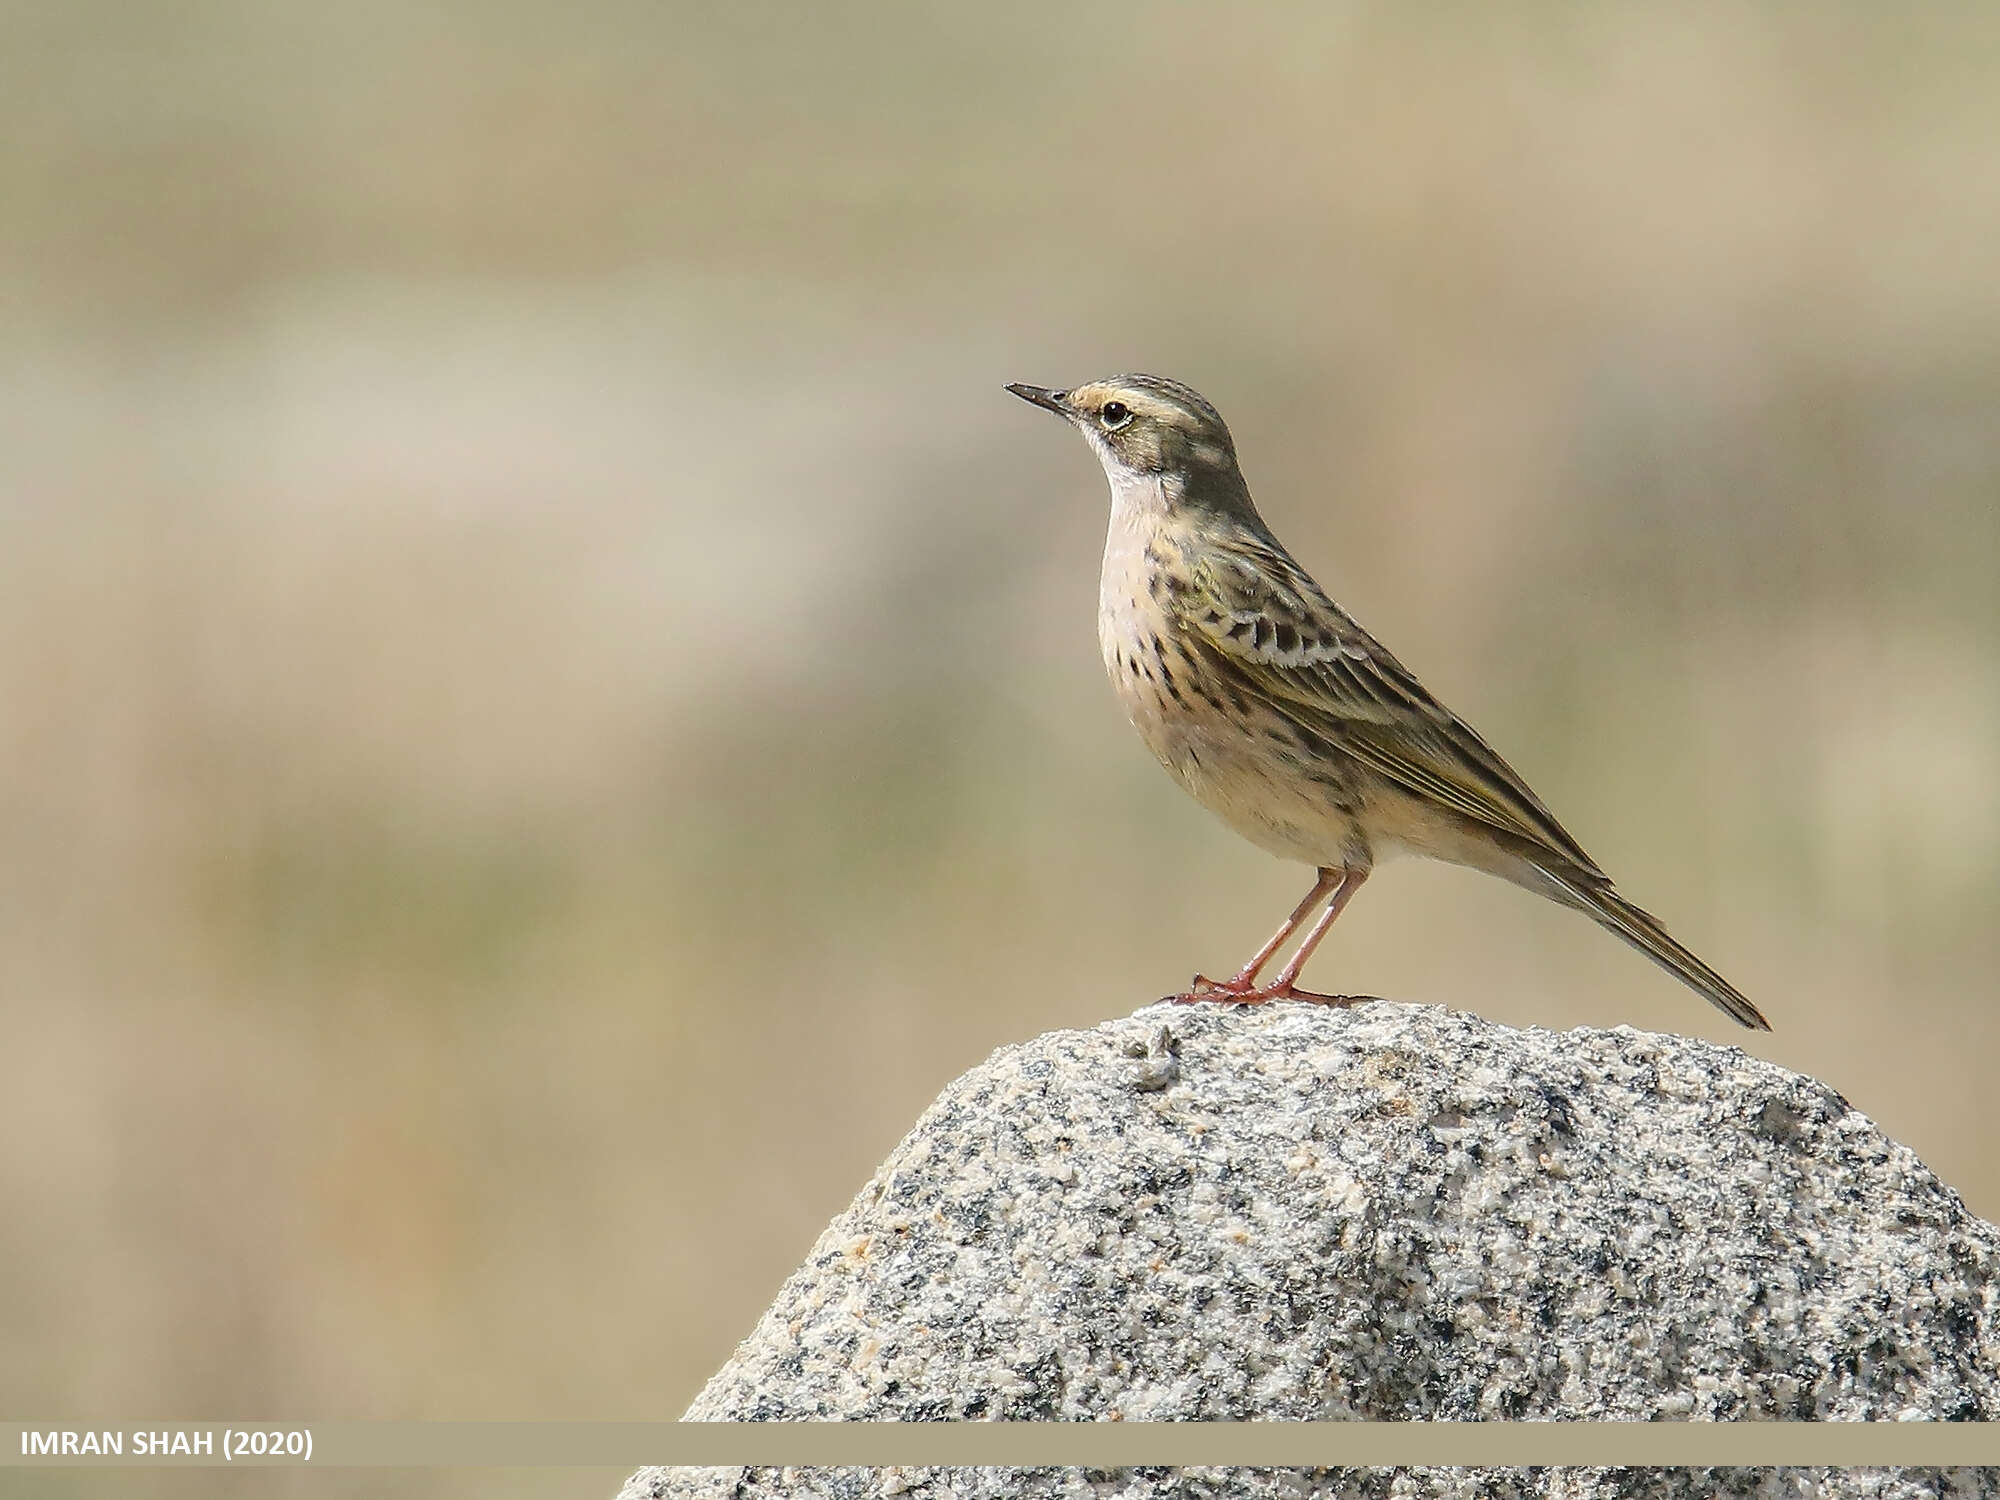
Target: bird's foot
point(1241, 991)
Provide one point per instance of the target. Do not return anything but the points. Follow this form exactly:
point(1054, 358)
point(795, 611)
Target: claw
point(1204, 988)
point(1232, 992)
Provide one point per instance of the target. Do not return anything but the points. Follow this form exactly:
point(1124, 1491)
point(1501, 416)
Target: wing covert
point(1309, 660)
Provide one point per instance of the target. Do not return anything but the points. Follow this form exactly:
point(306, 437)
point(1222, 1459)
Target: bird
point(1276, 711)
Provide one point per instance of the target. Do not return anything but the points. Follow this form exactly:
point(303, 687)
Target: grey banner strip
point(1083, 1444)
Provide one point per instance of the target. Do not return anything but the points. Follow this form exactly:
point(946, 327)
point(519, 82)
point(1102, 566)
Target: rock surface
point(1388, 1212)
point(1310, 1484)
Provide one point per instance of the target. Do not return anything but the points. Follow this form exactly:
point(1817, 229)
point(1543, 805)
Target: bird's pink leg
point(1282, 988)
point(1244, 990)
point(1245, 979)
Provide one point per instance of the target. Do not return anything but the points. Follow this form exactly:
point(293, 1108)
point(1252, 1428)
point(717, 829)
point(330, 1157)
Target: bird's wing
point(1308, 659)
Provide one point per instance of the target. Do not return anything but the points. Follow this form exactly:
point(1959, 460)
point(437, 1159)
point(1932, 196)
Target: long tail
point(1643, 931)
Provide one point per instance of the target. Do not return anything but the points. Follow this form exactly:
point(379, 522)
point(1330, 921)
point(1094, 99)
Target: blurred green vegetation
point(548, 701)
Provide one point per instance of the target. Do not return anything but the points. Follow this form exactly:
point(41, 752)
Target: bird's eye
point(1114, 415)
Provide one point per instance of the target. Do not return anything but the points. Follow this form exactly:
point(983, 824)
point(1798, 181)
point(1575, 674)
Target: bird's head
point(1148, 429)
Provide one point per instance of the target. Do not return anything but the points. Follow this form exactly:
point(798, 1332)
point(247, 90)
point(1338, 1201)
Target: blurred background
point(549, 702)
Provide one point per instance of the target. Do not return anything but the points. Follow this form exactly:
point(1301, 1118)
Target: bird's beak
point(1047, 400)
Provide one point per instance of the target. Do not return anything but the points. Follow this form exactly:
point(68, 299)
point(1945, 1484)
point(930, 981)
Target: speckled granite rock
point(1386, 1212)
point(1311, 1484)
